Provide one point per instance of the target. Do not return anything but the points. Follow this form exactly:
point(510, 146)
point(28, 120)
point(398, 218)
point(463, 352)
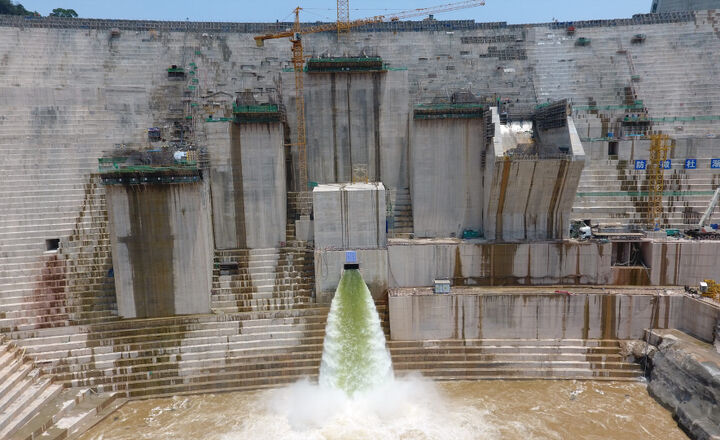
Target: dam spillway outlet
point(355, 356)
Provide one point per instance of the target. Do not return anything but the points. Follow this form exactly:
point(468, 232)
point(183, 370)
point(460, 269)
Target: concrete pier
point(162, 248)
point(248, 187)
point(447, 176)
point(531, 178)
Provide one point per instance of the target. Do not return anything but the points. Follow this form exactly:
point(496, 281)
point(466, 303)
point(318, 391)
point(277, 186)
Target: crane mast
point(298, 60)
point(343, 17)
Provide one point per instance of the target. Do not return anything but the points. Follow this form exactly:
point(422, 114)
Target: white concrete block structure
point(349, 216)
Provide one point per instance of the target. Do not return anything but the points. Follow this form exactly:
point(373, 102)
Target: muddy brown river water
point(410, 409)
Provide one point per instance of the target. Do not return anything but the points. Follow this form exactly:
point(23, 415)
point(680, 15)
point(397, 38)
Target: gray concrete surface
point(446, 176)
point(162, 249)
point(248, 185)
point(357, 119)
point(530, 197)
point(502, 314)
point(417, 262)
point(72, 94)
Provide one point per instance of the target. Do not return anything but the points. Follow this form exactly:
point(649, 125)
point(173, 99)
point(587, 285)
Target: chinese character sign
point(640, 164)
point(715, 163)
point(667, 164)
point(690, 164)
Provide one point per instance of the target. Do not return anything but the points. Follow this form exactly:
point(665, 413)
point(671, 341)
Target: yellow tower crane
point(343, 17)
point(298, 59)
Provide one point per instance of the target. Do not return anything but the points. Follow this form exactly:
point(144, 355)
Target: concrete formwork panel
point(248, 185)
point(349, 216)
point(446, 176)
point(162, 249)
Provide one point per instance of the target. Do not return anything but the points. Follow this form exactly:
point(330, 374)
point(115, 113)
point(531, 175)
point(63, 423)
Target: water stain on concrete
point(458, 279)
point(376, 124)
point(333, 103)
point(608, 317)
point(237, 183)
point(586, 318)
point(226, 52)
point(501, 201)
point(552, 209)
point(631, 276)
point(150, 250)
point(663, 264)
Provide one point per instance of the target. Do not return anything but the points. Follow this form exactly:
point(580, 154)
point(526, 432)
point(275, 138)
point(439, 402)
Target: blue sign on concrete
point(667, 164)
point(715, 163)
point(640, 164)
point(350, 257)
point(690, 164)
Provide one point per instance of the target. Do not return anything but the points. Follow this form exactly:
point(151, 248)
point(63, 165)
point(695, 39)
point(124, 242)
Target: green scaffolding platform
point(448, 111)
point(248, 114)
point(345, 65)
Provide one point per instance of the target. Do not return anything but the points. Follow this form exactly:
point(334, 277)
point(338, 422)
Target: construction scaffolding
point(449, 111)
point(247, 114)
point(345, 64)
point(660, 144)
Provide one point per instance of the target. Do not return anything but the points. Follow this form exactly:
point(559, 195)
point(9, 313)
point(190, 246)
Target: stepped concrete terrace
point(261, 279)
point(250, 350)
point(621, 197)
point(69, 282)
point(33, 403)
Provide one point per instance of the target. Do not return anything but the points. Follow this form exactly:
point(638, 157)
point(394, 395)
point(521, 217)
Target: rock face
point(686, 379)
point(717, 337)
point(635, 351)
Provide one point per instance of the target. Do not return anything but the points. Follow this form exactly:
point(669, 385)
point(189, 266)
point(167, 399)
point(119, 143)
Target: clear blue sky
point(512, 11)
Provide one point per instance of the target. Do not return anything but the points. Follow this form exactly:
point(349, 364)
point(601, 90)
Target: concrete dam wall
point(75, 91)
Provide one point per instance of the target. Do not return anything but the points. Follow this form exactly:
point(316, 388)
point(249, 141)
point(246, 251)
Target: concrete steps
point(402, 221)
point(605, 193)
point(23, 389)
point(513, 359)
point(183, 353)
point(261, 279)
point(63, 287)
point(69, 413)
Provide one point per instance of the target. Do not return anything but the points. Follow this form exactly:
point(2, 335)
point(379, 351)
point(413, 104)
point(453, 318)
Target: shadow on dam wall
point(237, 184)
point(150, 249)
